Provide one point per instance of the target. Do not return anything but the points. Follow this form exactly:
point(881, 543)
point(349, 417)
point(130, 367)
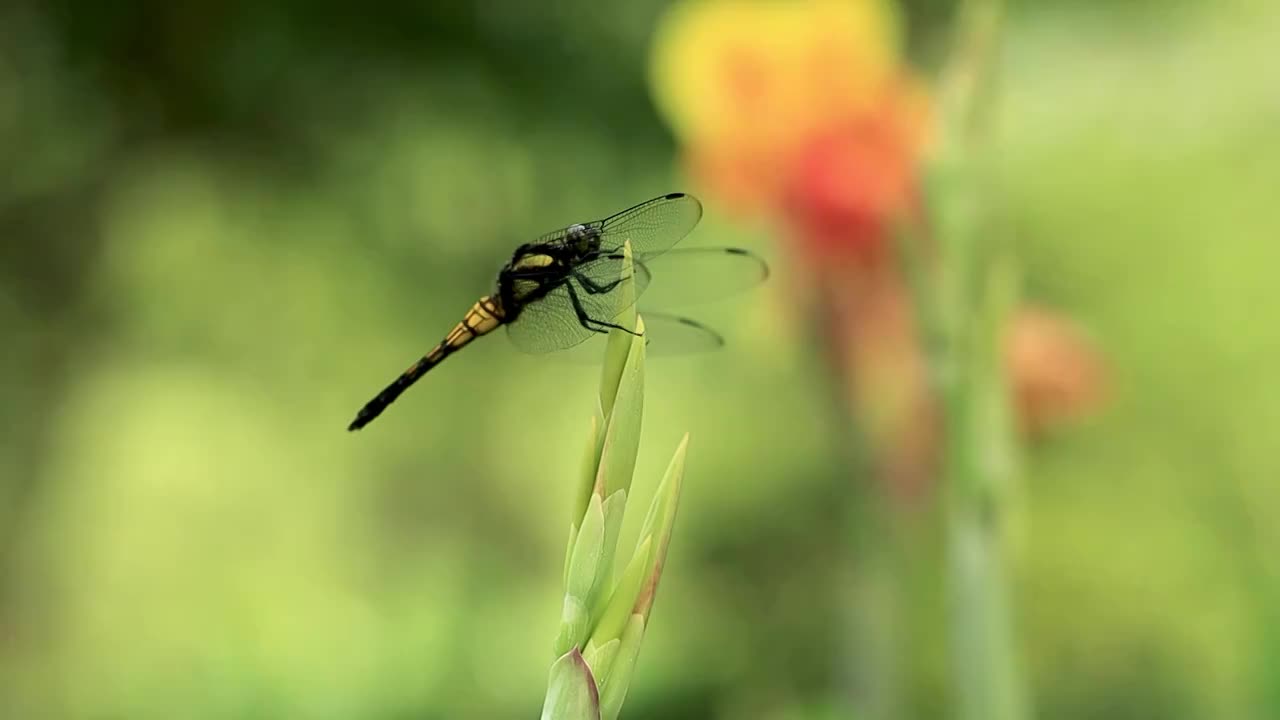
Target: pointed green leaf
point(615, 507)
point(622, 432)
point(587, 550)
point(619, 345)
point(660, 523)
point(663, 494)
point(575, 623)
point(568, 552)
point(571, 690)
point(614, 689)
point(611, 621)
point(582, 578)
point(600, 657)
point(590, 464)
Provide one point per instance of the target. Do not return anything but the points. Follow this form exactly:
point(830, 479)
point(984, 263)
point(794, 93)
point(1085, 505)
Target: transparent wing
point(653, 226)
point(608, 270)
point(573, 311)
point(665, 335)
point(548, 324)
point(683, 277)
point(688, 276)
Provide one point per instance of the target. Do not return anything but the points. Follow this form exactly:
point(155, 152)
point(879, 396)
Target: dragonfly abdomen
point(483, 318)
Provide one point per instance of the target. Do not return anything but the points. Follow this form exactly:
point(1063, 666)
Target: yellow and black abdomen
point(483, 318)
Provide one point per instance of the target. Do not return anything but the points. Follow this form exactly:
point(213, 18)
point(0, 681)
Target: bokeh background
point(224, 226)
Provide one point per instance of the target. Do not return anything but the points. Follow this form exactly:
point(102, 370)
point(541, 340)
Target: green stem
point(963, 301)
point(872, 588)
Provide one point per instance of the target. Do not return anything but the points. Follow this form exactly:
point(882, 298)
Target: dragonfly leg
point(594, 288)
point(586, 320)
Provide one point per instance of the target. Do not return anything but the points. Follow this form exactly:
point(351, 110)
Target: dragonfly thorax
point(582, 239)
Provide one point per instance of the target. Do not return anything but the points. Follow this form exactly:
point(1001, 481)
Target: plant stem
point(871, 585)
point(964, 301)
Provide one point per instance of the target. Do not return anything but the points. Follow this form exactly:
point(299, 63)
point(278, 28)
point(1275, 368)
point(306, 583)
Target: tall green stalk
point(964, 296)
point(870, 581)
point(605, 613)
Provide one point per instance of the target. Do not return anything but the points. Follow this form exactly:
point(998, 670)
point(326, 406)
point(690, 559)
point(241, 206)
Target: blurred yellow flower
point(761, 93)
point(770, 68)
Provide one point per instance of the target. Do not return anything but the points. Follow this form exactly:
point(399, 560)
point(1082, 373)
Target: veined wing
point(549, 323)
point(678, 277)
point(652, 227)
point(583, 303)
point(666, 335)
point(693, 275)
point(572, 311)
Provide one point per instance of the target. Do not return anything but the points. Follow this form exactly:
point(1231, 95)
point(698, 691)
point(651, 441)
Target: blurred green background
point(224, 226)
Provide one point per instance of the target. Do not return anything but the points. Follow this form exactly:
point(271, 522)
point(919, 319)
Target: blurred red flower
point(850, 181)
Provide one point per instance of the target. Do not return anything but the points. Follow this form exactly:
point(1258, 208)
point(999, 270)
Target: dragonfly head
point(582, 239)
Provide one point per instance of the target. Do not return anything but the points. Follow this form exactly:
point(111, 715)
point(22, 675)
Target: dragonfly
point(566, 287)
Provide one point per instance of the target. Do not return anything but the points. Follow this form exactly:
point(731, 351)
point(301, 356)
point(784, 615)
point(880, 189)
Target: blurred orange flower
point(1055, 373)
point(798, 110)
